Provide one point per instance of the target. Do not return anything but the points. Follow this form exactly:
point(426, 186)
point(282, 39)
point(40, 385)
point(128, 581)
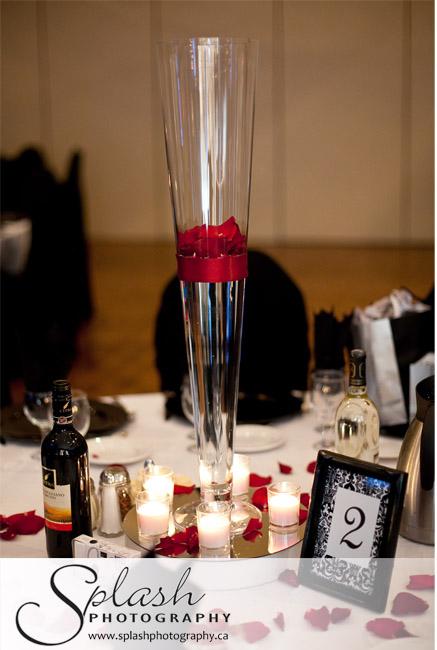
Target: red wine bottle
point(65, 474)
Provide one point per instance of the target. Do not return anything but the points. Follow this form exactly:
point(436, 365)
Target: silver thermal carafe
point(417, 458)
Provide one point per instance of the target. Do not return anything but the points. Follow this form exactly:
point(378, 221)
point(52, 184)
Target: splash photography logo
point(165, 603)
point(111, 602)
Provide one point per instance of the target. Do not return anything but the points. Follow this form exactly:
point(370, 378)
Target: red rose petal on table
point(318, 618)
point(420, 582)
point(15, 519)
point(177, 538)
point(254, 631)
point(406, 603)
point(30, 525)
point(191, 530)
point(253, 529)
point(183, 489)
point(8, 534)
point(193, 542)
point(25, 523)
point(258, 481)
point(165, 541)
point(279, 620)
point(259, 498)
point(339, 614)
point(217, 625)
point(285, 469)
point(289, 577)
point(303, 516)
point(172, 550)
point(184, 541)
point(304, 505)
point(387, 628)
point(168, 546)
point(311, 467)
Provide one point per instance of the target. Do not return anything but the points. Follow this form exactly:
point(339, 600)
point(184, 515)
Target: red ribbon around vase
point(212, 253)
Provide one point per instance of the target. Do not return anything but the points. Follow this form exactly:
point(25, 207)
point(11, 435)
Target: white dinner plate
point(252, 438)
point(118, 448)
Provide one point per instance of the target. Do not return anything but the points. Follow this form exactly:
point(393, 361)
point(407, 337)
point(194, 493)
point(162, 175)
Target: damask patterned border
point(342, 571)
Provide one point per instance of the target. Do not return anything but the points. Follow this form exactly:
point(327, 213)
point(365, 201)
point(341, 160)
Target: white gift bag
point(372, 332)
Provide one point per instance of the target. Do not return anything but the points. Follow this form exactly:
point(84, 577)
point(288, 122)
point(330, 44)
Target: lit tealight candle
point(158, 480)
point(284, 504)
point(153, 514)
point(240, 475)
point(214, 524)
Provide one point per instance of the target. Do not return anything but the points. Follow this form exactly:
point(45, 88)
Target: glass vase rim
point(148, 496)
point(284, 487)
point(158, 470)
point(205, 40)
point(214, 507)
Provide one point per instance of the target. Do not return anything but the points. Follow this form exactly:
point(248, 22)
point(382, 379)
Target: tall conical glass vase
point(208, 91)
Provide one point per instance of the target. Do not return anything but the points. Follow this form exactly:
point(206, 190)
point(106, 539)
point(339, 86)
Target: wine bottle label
point(63, 420)
point(57, 502)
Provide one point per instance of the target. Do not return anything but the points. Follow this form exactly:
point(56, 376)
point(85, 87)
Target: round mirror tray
point(270, 542)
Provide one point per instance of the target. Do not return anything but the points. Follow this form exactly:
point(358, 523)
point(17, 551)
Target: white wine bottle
point(356, 419)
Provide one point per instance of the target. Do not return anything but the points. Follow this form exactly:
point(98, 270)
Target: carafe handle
point(427, 451)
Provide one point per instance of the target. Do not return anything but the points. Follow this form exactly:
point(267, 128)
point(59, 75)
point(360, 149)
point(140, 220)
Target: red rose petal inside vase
point(318, 618)
point(420, 582)
point(406, 603)
point(212, 241)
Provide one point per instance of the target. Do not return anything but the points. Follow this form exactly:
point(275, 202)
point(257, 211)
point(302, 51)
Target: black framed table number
point(352, 529)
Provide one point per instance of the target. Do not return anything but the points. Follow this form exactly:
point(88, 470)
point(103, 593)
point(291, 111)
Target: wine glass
point(38, 410)
point(328, 391)
point(81, 411)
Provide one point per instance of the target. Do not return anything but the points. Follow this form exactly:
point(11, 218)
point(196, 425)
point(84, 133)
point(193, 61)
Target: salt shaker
point(114, 495)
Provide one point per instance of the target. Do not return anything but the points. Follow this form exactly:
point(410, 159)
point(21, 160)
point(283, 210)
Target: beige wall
point(344, 118)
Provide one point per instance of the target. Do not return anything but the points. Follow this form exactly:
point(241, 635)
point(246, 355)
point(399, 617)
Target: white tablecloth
point(167, 442)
